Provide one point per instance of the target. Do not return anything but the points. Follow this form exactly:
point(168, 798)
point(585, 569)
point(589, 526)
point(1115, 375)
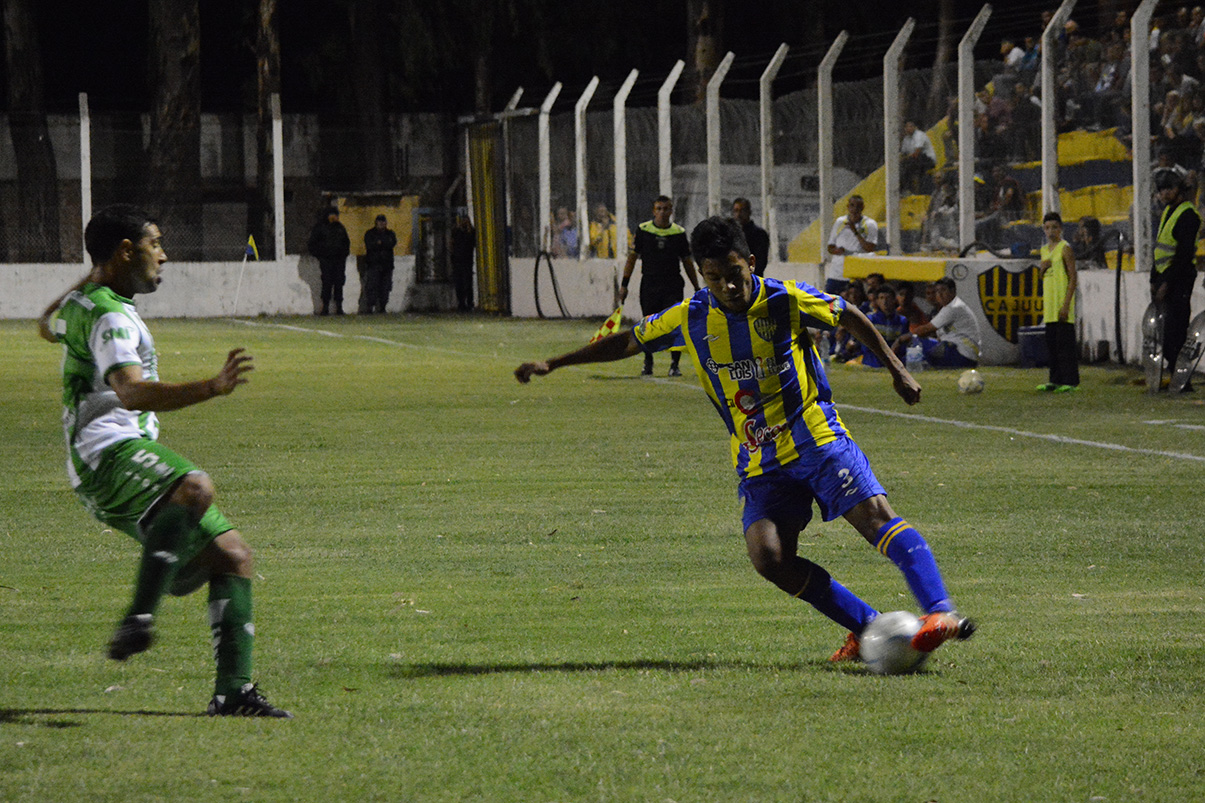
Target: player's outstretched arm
point(610, 348)
point(863, 330)
point(44, 330)
point(138, 393)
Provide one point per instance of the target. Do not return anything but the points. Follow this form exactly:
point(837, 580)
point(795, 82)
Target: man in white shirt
point(951, 338)
point(917, 158)
point(851, 234)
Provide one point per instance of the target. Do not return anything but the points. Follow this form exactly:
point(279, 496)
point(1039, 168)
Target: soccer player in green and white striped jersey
point(125, 477)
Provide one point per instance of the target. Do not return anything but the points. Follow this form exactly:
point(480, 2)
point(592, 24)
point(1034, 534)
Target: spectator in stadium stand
point(1111, 88)
point(379, 242)
point(1088, 243)
point(951, 337)
point(871, 286)
point(886, 318)
point(1174, 272)
point(663, 249)
point(564, 233)
point(990, 146)
point(852, 233)
point(755, 236)
point(939, 232)
point(1031, 62)
point(917, 158)
point(464, 243)
point(1025, 132)
point(746, 338)
point(603, 233)
point(1008, 205)
point(331, 245)
point(905, 297)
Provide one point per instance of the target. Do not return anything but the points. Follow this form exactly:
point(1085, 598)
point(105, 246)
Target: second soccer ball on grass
point(970, 382)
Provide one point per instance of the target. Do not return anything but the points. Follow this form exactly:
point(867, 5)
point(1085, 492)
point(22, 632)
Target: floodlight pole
point(824, 122)
point(507, 113)
point(543, 240)
point(769, 216)
point(664, 140)
point(966, 126)
point(278, 178)
point(713, 133)
point(85, 169)
point(891, 130)
point(620, 132)
point(579, 150)
point(1140, 107)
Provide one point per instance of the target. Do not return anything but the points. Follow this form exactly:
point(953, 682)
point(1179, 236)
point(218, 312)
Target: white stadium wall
point(587, 288)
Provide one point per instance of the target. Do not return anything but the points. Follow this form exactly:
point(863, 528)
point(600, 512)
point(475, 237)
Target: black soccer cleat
point(134, 635)
point(248, 702)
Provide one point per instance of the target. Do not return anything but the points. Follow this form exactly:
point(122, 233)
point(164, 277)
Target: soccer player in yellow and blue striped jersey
point(748, 339)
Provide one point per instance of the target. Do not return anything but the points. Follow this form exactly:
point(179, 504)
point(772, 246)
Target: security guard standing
point(1175, 272)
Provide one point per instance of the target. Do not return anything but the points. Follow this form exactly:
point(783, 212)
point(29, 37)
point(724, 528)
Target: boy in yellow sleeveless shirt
point(1058, 307)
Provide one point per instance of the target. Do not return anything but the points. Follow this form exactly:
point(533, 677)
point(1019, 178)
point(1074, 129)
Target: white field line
point(1019, 433)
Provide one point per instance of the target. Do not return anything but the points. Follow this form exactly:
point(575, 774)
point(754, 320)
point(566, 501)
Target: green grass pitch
point(472, 590)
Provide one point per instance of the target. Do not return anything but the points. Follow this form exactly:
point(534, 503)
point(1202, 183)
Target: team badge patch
point(765, 328)
point(1011, 299)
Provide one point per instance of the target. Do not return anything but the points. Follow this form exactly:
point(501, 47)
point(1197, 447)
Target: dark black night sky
point(101, 49)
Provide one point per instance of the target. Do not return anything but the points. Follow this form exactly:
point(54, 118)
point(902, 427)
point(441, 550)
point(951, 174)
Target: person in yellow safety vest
point(1174, 272)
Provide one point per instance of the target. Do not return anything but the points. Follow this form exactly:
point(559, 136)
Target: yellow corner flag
point(252, 252)
point(610, 326)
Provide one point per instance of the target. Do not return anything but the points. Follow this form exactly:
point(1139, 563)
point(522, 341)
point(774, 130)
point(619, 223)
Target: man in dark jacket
point(379, 242)
point(1175, 272)
point(330, 244)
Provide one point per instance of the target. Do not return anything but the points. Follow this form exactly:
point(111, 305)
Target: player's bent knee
point(235, 555)
point(195, 492)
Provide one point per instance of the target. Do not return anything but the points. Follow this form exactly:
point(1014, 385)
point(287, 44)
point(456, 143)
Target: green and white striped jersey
point(100, 331)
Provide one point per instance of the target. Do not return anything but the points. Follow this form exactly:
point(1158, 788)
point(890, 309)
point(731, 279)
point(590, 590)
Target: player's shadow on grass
point(429, 670)
point(46, 717)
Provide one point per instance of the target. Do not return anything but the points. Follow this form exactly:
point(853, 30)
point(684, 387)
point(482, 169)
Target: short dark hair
point(716, 237)
point(1052, 215)
point(108, 227)
point(742, 200)
point(663, 199)
point(885, 287)
point(948, 283)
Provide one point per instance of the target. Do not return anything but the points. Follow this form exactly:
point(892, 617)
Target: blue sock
point(834, 600)
point(907, 549)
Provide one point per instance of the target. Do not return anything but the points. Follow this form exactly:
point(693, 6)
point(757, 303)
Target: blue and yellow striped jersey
point(759, 368)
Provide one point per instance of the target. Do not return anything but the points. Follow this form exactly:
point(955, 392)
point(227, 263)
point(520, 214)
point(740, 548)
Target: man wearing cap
point(1174, 271)
point(379, 242)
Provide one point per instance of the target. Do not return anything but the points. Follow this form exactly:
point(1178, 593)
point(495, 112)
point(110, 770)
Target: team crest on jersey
point(765, 328)
point(1011, 299)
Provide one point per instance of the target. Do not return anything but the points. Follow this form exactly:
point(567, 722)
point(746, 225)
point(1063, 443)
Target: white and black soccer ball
point(886, 644)
point(970, 382)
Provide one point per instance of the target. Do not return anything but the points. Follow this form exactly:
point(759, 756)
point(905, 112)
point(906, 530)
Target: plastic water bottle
point(914, 358)
point(824, 347)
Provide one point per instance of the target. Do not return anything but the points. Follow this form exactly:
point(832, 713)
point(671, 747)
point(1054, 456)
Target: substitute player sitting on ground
point(748, 339)
point(123, 476)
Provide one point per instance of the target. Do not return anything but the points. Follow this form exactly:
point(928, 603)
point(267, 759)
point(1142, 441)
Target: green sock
point(233, 632)
point(159, 561)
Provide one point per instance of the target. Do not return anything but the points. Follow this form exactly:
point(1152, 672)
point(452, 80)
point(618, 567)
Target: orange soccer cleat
point(850, 650)
point(938, 628)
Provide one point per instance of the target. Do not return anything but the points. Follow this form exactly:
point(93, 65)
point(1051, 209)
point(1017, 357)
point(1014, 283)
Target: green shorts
point(132, 476)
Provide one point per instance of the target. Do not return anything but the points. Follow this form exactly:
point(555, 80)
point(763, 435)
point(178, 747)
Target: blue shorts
point(836, 476)
point(943, 354)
